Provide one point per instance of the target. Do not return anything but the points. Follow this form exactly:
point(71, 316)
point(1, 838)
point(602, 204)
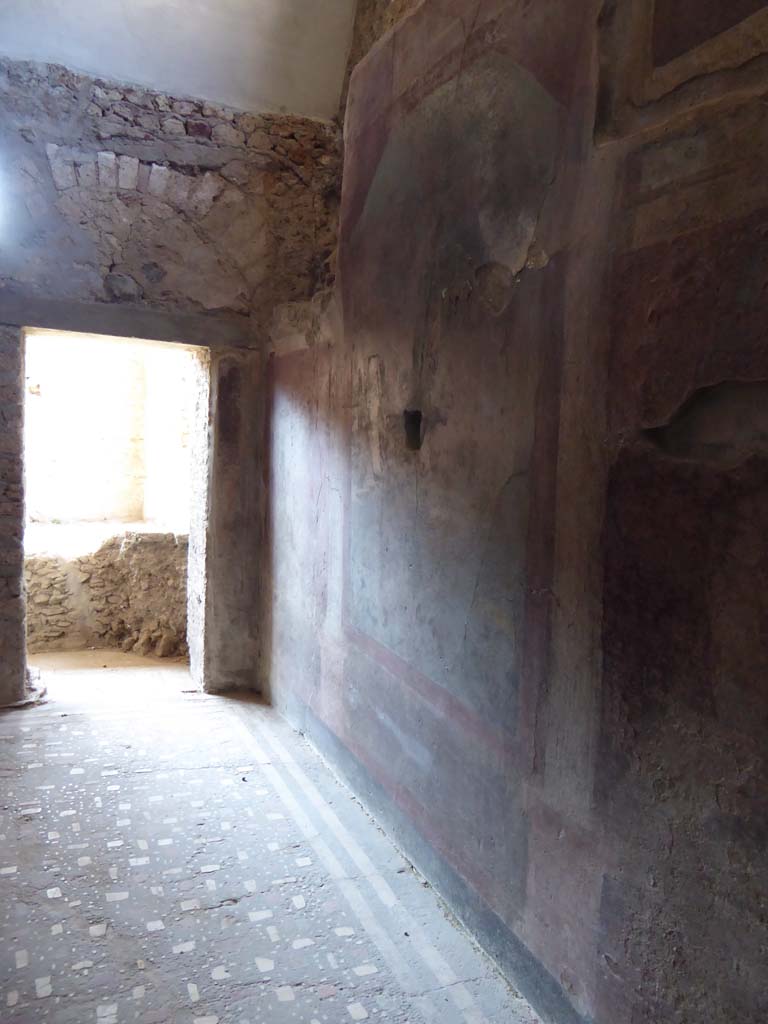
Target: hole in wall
point(413, 422)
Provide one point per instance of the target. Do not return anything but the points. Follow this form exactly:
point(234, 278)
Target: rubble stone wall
point(51, 607)
point(131, 594)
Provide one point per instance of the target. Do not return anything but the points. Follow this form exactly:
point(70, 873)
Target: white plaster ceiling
point(258, 55)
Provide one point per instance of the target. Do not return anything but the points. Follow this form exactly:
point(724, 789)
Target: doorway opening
point(116, 459)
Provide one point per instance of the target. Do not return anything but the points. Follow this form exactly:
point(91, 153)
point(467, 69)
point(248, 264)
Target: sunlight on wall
point(107, 430)
point(170, 382)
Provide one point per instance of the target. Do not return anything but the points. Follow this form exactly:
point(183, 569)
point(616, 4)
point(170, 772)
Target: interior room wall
point(529, 628)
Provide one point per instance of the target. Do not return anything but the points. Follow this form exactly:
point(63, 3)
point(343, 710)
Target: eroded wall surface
point(530, 627)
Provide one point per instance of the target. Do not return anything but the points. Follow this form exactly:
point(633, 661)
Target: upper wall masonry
point(279, 55)
point(118, 194)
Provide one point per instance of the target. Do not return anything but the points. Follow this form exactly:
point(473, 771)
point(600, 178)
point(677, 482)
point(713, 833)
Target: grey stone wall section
point(234, 528)
point(12, 651)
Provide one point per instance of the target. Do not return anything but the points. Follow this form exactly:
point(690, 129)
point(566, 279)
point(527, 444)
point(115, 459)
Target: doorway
point(117, 471)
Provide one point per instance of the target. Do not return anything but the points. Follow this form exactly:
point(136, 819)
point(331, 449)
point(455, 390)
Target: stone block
point(214, 110)
point(128, 172)
point(167, 646)
point(139, 97)
point(159, 176)
point(204, 194)
point(261, 141)
point(187, 108)
point(62, 167)
point(178, 188)
point(106, 96)
point(227, 135)
point(173, 126)
point(199, 129)
point(248, 123)
point(87, 172)
point(149, 122)
point(237, 171)
point(107, 163)
point(122, 288)
point(124, 111)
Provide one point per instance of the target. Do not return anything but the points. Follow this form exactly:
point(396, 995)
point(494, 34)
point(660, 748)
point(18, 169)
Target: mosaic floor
point(172, 858)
